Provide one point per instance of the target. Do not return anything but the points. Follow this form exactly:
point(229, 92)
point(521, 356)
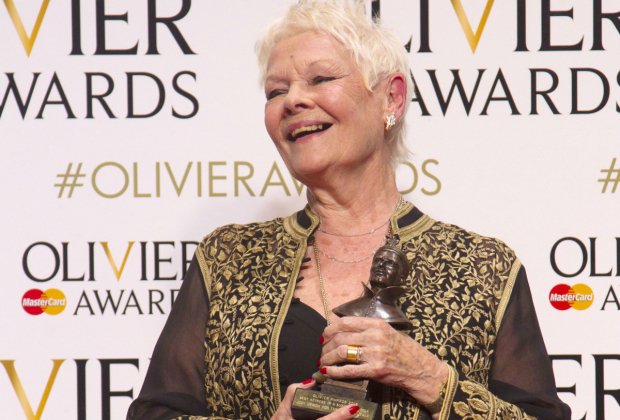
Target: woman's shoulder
point(468, 247)
point(482, 264)
point(235, 233)
point(464, 235)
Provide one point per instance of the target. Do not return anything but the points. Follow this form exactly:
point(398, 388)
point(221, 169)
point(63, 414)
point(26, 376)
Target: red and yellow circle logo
point(52, 302)
point(563, 297)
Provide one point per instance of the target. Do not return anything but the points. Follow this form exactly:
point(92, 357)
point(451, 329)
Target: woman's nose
point(297, 99)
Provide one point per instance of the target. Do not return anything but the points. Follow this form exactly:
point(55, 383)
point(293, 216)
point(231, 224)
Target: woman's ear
point(397, 94)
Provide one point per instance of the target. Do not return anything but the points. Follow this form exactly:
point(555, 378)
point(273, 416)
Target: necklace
point(371, 231)
point(399, 203)
point(318, 266)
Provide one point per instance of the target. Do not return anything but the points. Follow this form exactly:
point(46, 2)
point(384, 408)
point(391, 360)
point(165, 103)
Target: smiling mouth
point(309, 129)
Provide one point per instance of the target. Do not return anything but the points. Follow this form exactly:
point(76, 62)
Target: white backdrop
point(529, 179)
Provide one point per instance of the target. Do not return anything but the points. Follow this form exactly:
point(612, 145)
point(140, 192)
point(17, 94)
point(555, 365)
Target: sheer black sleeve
point(521, 373)
point(521, 383)
point(174, 383)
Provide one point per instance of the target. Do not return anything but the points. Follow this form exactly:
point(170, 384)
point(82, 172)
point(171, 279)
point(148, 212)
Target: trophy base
point(310, 405)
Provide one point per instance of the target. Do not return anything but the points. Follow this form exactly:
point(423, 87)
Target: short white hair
point(377, 51)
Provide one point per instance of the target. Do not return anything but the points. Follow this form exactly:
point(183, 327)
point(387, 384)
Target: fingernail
point(318, 363)
point(324, 371)
point(308, 381)
point(354, 409)
point(322, 339)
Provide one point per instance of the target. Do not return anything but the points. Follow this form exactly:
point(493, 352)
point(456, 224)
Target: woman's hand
point(387, 356)
point(284, 411)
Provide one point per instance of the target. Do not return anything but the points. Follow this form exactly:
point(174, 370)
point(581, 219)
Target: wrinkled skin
point(388, 357)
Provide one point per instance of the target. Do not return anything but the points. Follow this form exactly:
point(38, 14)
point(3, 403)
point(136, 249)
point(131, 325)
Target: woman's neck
point(356, 201)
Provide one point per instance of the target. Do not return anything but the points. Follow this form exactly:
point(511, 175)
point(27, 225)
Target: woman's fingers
point(347, 371)
point(343, 413)
point(349, 324)
point(338, 355)
point(377, 341)
point(290, 392)
point(284, 411)
point(355, 331)
point(387, 356)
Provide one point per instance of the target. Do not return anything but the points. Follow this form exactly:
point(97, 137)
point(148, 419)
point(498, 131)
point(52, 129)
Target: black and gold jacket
point(457, 296)
point(467, 297)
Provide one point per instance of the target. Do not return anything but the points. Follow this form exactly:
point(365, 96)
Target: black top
point(300, 347)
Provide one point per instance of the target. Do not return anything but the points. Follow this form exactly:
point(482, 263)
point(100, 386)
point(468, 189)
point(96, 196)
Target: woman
point(246, 331)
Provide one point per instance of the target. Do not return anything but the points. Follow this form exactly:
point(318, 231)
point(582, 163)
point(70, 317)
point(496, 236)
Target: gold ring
point(352, 354)
point(358, 355)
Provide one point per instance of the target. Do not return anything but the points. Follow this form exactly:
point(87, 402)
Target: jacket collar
point(406, 222)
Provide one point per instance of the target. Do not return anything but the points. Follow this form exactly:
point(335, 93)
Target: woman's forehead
point(308, 49)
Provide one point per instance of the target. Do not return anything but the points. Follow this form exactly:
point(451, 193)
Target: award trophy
point(388, 272)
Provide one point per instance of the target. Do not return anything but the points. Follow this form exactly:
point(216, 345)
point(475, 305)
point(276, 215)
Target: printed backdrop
point(129, 130)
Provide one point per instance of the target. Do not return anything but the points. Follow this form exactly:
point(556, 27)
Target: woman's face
point(319, 113)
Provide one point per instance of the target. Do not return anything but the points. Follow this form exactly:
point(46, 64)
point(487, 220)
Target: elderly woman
point(253, 322)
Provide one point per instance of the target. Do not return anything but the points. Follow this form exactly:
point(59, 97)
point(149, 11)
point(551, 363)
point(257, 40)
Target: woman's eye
point(322, 79)
point(274, 93)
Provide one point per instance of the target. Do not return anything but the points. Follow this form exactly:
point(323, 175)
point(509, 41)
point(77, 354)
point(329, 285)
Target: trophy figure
point(390, 268)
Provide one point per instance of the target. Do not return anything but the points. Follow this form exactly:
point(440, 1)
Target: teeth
point(306, 128)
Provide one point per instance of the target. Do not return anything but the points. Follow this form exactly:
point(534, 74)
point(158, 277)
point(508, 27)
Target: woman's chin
point(308, 168)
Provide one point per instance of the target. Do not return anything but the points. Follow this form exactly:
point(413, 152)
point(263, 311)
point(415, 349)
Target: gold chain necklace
point(399, 204)
point(318, 266)
point(323, 295)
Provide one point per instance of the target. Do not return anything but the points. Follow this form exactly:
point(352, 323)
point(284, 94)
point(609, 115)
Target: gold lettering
point(243, 178)
point(268, 182)
point(178, 188)
point(9, 366)
point(27, 41)
point(298, 185)
point(157, 179)
point(213, 178)
point(118, 273)
point(94, 179)
point(135, 182)
point(472, 38)
point(199, 175)
point(431, 176)
point(415, 178)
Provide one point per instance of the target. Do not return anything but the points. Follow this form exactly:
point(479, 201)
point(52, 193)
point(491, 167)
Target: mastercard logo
point(563, 297)
point(52, 302)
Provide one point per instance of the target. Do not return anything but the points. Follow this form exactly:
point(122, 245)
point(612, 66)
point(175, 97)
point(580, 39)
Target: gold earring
point(390, 121)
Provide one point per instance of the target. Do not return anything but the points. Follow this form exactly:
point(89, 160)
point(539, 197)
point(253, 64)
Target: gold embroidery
point(482, 404)
point(451, 385)
point(455, 296)
point(251, 267)
point(516, 266)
